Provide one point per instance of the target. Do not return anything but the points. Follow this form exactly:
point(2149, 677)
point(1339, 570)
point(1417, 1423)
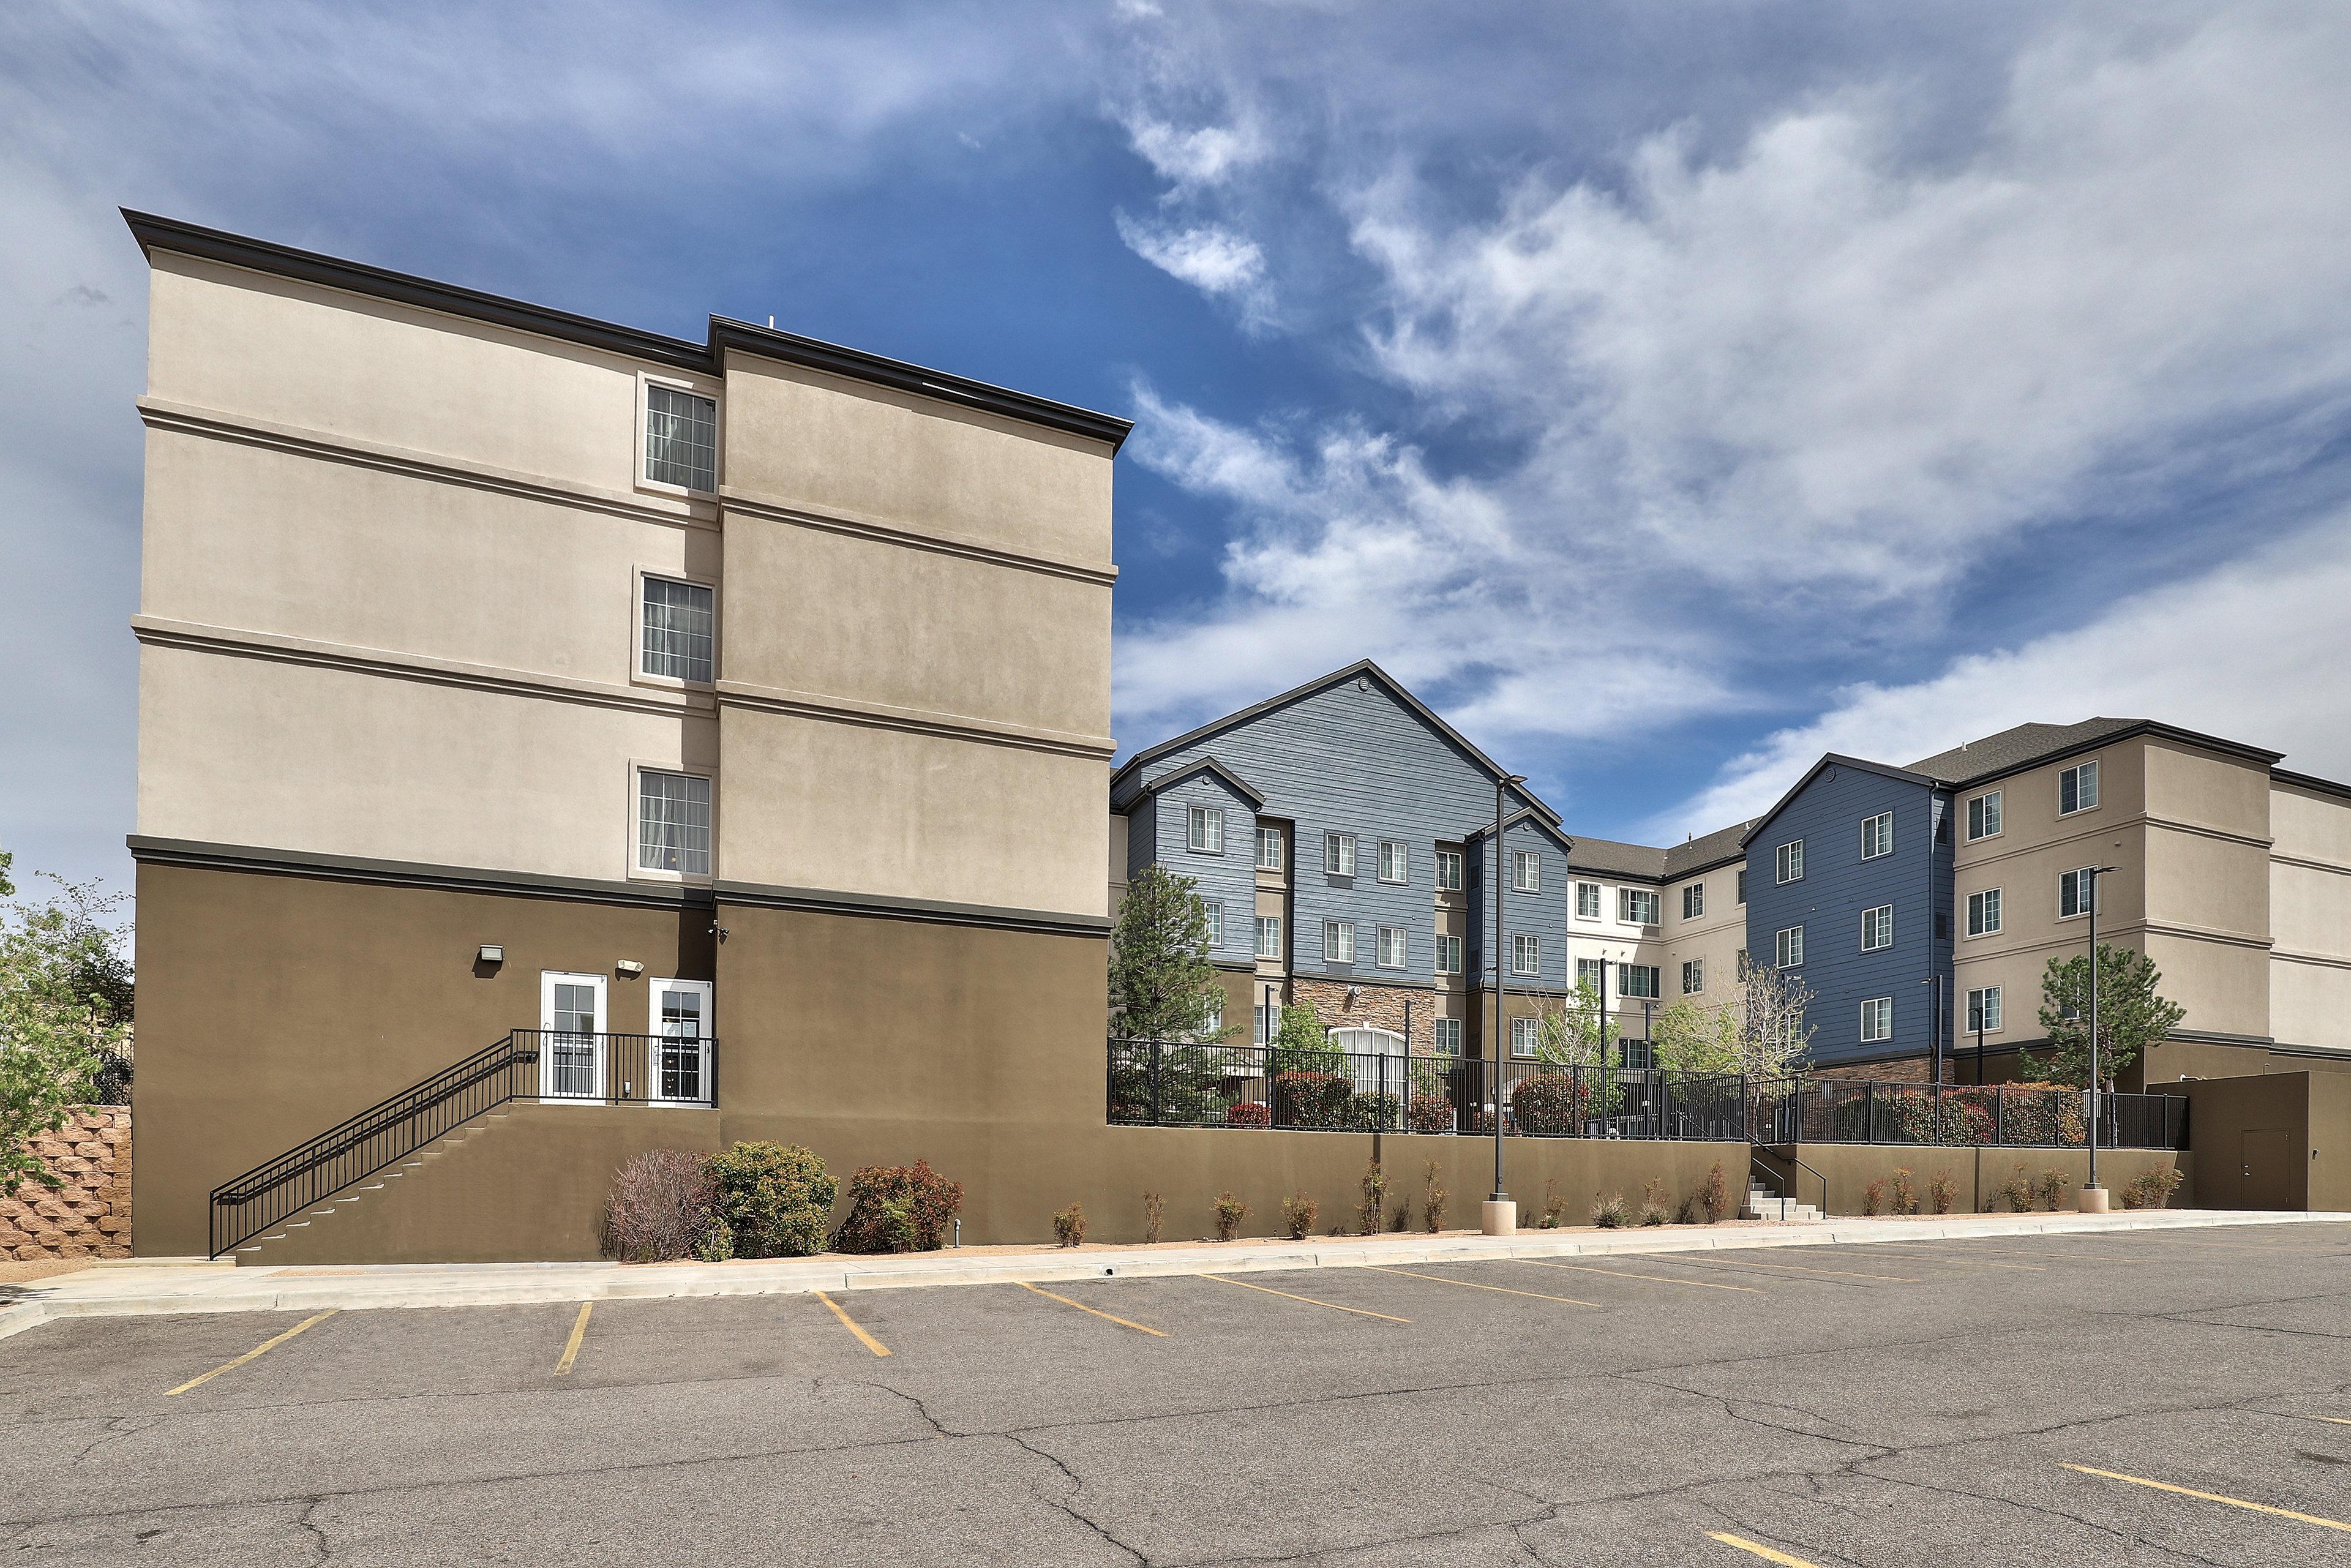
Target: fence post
point(1380, 1111)
point(2000, 1114)
point(1156, 1049)
point(1869, 1111)
point(1937, 1137)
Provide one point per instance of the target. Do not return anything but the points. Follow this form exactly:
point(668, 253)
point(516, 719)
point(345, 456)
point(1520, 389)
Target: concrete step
point(280, 1246)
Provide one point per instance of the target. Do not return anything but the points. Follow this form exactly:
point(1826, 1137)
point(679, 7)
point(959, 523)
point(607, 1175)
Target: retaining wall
point(90, 1217)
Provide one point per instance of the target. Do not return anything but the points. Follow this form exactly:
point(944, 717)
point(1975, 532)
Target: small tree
point(1162, 984)
point(65, 997)
point(1573, 1032)
point(1689, 1037)
point(2132, 1016)
point(1302, 1042)
point(1772, 1033)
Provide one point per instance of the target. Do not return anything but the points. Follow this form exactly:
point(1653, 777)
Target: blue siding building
point(1849, 890)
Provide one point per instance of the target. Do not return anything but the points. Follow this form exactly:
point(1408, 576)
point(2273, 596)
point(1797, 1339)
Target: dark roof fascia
point(1241, 786)
point(1734, 857)
point(727, 335)
point(2155, 727)
point(1360, 667)
point(154, 234)
point(2311, 781)
point(1837, 759)
point(1524, 813)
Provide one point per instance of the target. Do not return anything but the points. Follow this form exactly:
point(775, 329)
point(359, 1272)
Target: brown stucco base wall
point(1979, 1172)
point(272, 1007)
point(2279, 1140)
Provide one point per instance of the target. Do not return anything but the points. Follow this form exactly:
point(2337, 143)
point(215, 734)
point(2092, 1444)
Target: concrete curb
point(126, 1292)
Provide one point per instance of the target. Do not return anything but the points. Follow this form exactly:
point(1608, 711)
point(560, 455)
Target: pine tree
point(1162, 984)
point(2132, 1016)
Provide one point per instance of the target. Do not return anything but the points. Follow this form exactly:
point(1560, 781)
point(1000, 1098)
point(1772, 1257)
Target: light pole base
point(1502, 1218)
point(2094, 1200)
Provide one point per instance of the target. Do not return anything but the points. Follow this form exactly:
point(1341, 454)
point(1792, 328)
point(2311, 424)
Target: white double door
point(577, 1049)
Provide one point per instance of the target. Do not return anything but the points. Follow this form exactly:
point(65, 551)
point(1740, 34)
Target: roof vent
point(1363, 682)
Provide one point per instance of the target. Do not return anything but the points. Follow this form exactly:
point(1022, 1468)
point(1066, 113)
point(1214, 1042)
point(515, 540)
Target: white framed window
point(2074, 893)
point(1877, 1019)
point(1983, 913)
point(1391, 947)
point(1789, 949)
point(1637, 905)
point(1448, 871)
point(1215, 923)
point(1525, 1034)
point(677, 630)
point(1268, 935)
point(1877, 928)
point(1338, 854)
point(1984, 1001)
point(1694, 901)
point(680, 437)
point(1587, 972)
point(1526, 955)
point(2077, 788)
point(1742, 885)
point(1791, 861)
point(1638, 980)
point(1636, 1054)
point(1526, 872)
point(1877, 835)
point(1449, 1037)
point(1693, 976)
point(1983, 816)
point(1338, 941)
point(1205, 834)
point(673, 824)
point(1449, 955)
point(1268, 849)
point(1587, 901)
point(1214, 1023)
point(1265, 1018)
point(1391, 863)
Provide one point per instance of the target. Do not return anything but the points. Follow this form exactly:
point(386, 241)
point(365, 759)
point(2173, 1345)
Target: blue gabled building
point(1849, 890)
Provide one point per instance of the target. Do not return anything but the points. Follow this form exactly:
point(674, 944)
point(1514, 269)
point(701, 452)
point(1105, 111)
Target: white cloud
point(2252, 651)
point(1191, 160)
point(1211, 259)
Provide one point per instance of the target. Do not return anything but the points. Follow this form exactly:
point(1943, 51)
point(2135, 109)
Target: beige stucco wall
point(871, 619)
point(803, 439)
point(2310, 918)
point(324, 760)
point(1717, 936)
point(253, 539)
point(813, 804)
point(344, 366)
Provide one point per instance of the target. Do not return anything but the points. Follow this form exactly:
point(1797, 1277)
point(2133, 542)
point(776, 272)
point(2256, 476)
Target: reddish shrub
point(1549, 1105)
point(661, 1208)
point(898, 1208)
point(1249, 1113)
point(1432, 1113)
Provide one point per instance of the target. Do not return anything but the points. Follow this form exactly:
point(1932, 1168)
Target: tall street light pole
point(1501, 1216)
point(2093, 1197)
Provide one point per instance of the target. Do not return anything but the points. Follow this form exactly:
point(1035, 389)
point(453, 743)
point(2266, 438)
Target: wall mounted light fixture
point(630, 967)
point(491, 953)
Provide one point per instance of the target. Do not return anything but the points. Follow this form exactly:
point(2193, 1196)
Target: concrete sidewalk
point(131, 1290)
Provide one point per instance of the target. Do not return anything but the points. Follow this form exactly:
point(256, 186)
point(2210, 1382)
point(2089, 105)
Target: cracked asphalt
point(1911, 1405)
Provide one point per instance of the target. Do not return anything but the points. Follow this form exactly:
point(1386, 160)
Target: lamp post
point(1501, 1214)
point(1976, 1022)
point(2093, 1197)
point(1935, 1023)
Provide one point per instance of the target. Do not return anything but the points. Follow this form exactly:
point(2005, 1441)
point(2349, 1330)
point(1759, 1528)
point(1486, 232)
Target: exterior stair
point(288, 1240)
point(1762, 1205)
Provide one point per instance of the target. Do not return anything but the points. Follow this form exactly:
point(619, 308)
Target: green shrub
point(1299, 1213)
point(2151, 1188)
point(898, 1208)
point(1433, 1199)
point(1230, 1212)
point(2052, 1186)
point(1905, 1193)
point(1941, 1191)
point(1069, 1226)
point(1653, 1202)
point(1154, 1211)
point(2017, 1192)
point(1549, 1105)
point(1608, 1213)
point(1375, 1191)
point(1314, 1100)
point(774, 1199)
point(1375, 1112)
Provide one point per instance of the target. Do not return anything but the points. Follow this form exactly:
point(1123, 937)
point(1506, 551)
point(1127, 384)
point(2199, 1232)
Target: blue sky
point(1667, 393)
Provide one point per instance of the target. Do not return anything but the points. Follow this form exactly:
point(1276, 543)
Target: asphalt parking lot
point(2148, 1398)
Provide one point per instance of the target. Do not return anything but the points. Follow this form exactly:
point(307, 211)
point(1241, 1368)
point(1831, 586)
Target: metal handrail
point(398, 1125)
point(1779, 1187)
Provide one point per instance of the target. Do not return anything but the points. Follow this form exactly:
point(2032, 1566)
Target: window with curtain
point(679, 624)
point(672, 822)
point(681, 438)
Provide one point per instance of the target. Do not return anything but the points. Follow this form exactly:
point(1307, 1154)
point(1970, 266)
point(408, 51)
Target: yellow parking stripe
point(1759, 1549)
point(2298, 1416)
point(1473, 1285)
point(263, 1347)
point(1627, 1274)
point(1792, 1268)
point(875, 1346)
point(572, 1346)
point(2213, 1496)
point(1310, 1300)
point(1157, 1333)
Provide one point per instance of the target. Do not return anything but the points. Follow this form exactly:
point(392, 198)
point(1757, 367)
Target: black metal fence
point(1807, 1110)
point(111, 1085)
point(1173, 1083)
point(548, 1065)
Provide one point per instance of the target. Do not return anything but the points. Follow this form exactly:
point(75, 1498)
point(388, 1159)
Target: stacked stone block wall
point(89, 1216)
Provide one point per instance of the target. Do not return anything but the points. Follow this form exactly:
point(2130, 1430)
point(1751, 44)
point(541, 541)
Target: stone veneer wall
point(90, 1217)
point(1377, 1007)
